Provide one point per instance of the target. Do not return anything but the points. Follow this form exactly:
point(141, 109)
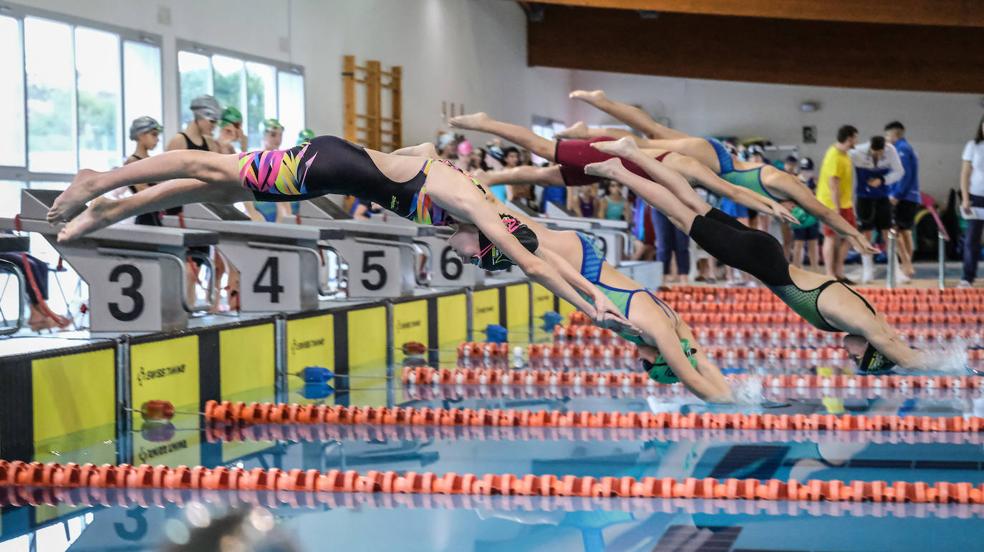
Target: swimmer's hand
point(619, 327)
point(607, 315)
point(862, 245)
point(779, 211)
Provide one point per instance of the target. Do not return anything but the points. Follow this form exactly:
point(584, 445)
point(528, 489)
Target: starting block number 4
point(270, 281)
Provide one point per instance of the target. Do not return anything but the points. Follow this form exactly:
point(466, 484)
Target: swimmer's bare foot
point(95, 217)
point(473, 121)
point(623, 147)
point(577, 131)
point(589, 96)
point(605, 169)
point(72, 201)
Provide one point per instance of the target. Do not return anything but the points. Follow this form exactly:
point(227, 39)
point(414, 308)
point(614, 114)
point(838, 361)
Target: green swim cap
point(660, 371)
point(271, 123)
point(805, 219)
point(230, 116)
point(305, 135)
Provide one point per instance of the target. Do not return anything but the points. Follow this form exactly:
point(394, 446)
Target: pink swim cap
point(464, 147)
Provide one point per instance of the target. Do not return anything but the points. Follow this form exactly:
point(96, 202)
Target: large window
point(84, 83)
point(99, 80)
point(51, 143)
point(142, 83)
point(259, 89)
point(68, 93)
point(12, 147)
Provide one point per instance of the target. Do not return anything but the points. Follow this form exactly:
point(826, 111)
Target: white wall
point(473, 52)
point(466, 51)
point(937, 124)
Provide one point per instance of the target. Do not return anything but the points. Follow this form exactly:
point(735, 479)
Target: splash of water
point(750, 390)
point(952, 358)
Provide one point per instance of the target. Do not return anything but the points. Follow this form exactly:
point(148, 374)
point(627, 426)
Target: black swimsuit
point(331, 165)
point(146, 219)
point(762, 256)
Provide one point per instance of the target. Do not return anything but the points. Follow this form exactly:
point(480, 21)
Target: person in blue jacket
point(876, 169)
point(904, 194)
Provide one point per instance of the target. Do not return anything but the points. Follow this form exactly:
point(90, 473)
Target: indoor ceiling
point(933, 45)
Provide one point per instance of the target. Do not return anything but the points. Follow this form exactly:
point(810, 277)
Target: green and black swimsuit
point(762, 256)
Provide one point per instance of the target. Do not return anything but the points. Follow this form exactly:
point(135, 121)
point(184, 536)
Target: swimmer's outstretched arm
point(797, 192)
point(705, 366)
point(628, 114)
point(577, 280)
point(209, 167)
point(516, 134)
point(679, 164)
point(846, 311)
point(468, 204)
point(658, 330)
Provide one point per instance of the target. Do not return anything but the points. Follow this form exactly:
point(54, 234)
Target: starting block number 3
point(129, 297)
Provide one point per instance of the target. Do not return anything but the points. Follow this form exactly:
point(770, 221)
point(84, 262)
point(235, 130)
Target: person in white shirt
point(972, 203)
point(876, 167)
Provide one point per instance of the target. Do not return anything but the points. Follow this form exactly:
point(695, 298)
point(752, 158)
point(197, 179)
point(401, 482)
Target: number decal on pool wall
point(369, 266)
point(130, 291)
point(271, 266)
point(451, 265)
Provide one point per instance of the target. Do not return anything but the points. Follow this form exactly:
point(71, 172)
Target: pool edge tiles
point(247, 371)
point(367, 342)
point(485, 311)
point(518, 306)
point(51, 394)
point(451, 318)
point(309, 341)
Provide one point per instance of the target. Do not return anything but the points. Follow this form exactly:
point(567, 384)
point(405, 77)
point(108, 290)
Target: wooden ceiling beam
point(817, 53)
point(946, 13)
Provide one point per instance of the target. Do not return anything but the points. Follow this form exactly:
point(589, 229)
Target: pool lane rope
point(280, 413)
point(627, 352)
point(161, 498)
point(426, 375)
point(309, 433)
point(144, 476)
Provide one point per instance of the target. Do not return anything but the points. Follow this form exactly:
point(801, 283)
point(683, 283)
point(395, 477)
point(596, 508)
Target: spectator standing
point(807, 232)
point(904, 195)
point(876, 168)
point(972, 203)
point(834, 188)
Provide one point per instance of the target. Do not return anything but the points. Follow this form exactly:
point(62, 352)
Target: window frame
point(19, 12)
point(195, 47)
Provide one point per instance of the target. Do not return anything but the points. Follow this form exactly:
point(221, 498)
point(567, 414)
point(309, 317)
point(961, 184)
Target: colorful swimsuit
point(331, 165)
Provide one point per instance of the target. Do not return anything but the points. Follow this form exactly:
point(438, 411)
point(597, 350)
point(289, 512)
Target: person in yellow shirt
point(835, 187)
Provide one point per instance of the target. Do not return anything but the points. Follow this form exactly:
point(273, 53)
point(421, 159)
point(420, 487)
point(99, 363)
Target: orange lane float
point(54, 475)
point(270, 413)
point(161, 498)
point(727, 344)
point(216, 433)
point(669, 392)
point(425, 375)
